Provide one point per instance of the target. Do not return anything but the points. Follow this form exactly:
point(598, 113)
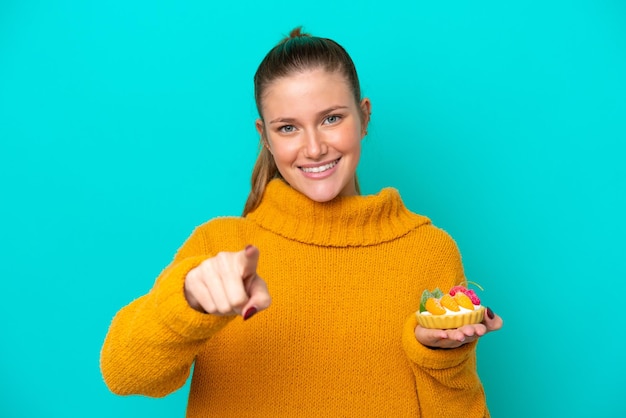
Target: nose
point(315, 146)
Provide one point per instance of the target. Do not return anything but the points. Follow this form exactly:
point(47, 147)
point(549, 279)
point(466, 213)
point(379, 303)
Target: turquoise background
point(124, 124)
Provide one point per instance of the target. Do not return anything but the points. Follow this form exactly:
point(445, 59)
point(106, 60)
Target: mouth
point(320, 168)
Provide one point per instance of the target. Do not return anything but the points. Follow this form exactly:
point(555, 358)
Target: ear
point(260, 128)
point(366, 112)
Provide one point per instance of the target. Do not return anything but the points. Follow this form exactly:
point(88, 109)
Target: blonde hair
point(296, 53)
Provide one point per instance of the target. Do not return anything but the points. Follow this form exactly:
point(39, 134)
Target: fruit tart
point(460, 306)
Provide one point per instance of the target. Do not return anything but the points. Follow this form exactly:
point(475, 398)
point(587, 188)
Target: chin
point(318, 196)
point(322, 193)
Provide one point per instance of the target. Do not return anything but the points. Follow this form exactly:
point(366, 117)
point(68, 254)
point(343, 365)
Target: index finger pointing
point(250, 260)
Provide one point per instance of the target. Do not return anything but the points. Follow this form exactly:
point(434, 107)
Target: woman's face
point(313, 127)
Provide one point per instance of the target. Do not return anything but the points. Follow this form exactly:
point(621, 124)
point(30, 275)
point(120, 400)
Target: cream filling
point(461, 311)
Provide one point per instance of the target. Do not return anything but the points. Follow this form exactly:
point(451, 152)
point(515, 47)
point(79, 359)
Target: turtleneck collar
point(341, 222)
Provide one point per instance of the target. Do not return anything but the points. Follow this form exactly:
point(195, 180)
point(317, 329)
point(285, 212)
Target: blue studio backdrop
point(125, 124)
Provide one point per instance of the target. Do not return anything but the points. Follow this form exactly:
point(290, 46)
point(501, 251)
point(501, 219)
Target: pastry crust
point(451, 321)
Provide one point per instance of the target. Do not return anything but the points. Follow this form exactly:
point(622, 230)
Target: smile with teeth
point(321, 168)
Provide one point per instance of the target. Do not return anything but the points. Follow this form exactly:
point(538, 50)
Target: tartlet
point(460, 306)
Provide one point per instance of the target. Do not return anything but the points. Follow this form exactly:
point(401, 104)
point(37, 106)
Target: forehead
point(307, 90)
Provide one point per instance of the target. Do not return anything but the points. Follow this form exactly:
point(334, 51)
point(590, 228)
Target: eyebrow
point(323, 112)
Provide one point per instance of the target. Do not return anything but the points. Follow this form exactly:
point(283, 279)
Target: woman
point(333, 278)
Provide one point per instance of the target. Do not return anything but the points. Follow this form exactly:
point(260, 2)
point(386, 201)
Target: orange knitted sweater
point(338, 340)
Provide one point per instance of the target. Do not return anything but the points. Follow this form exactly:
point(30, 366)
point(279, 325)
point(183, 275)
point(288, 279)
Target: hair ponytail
point(264, 171)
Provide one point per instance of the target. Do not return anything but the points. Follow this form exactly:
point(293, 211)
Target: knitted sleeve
point(447, 381)
point(152, 342)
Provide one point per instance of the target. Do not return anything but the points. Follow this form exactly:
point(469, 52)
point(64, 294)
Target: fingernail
point(248, 314)
point(490, 313)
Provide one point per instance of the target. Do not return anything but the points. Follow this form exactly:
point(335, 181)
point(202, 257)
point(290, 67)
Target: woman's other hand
point(453, 338)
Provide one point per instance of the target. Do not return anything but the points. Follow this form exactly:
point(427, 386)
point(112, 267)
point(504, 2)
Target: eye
point(287, 129)
point(332, 119)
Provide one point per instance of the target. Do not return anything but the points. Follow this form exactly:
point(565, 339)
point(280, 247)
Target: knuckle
point(205, 268)
point(219, 256)
point(223, 307)
point(239, 300)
